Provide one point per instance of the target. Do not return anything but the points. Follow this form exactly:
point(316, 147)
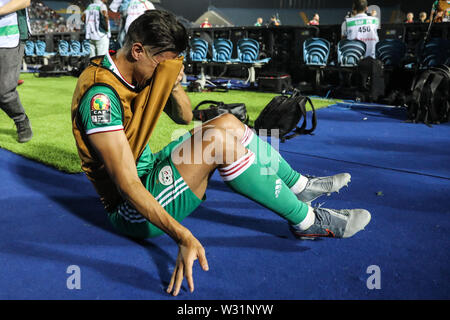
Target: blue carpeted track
point(400, 173)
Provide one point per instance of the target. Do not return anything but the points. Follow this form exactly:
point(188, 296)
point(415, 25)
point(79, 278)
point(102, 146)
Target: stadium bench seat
point(75, 48)
point(30, 48)
point(85, 48)
point(391, 52)
point(40, 49)
point(350, 52)
point(63, 48)
point(248, 52)
point(433, 53)
point(222, 50)
point(198, 50)
point(316, 52)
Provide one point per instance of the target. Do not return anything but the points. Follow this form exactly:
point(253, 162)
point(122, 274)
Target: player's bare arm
point(179, 108)
point(114, 149)
point(14, 5)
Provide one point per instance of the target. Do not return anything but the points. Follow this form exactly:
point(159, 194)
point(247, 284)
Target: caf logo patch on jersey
point(166, 176)
point(100, 109)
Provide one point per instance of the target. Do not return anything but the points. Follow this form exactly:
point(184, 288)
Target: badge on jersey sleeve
point(100, 109)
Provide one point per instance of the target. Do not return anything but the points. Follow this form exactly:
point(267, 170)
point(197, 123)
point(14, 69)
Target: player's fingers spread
point(202, 260)
point(178, 280)
point(172, 280)
point(190, 279)
point(188, 274)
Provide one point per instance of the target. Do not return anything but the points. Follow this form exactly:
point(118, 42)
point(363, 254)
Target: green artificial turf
point(47, 102)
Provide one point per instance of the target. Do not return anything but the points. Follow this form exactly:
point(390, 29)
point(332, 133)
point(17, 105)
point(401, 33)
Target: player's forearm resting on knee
point(13, 6)
point(115, 151)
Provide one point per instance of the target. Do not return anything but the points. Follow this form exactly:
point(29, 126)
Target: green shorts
point(168, 187)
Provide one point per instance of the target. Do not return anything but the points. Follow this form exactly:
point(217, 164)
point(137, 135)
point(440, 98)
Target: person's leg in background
point(122, 32)
point(102, 45)
point(92, 49)
point(10, 63)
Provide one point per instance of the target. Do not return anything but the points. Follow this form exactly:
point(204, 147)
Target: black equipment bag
point(284, 113)
point(217, 108)
point(364, 82)
point(52, 69)
point(274, 82)
point(430, 99)
point(372, 85)
point(79, 66)
point(194, 86)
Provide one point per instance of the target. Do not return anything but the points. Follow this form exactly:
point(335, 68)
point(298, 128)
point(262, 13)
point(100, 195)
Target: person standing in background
point(258, 22)
point(96, 22)
point(409, 18)
point(361, 27)
point(274, 21)
point(442, 10)
point(315, 21)
point(14, 30)
point(422, 17)
point(121, 7)
point(206, 24)
point(374, 14)
point(135, 9)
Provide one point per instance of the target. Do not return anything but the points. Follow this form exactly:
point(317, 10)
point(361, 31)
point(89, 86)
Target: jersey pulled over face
point(148, 62)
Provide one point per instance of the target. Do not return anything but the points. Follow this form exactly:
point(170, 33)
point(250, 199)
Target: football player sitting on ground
point(116, 104)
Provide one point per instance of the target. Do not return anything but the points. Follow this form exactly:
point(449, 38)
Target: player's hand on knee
point(188, 251)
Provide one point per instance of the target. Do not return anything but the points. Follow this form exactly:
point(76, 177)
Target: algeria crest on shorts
point(100, 109)
point(166, 176)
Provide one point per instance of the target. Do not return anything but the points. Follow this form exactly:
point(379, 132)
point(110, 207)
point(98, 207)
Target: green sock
point(266, 155)
point(263, 185)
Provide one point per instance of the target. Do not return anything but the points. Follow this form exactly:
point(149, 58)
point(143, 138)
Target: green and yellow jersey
point(100, 110)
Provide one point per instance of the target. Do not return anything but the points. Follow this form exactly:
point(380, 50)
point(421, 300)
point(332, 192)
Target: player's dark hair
point(157, 29)
point(359, 5)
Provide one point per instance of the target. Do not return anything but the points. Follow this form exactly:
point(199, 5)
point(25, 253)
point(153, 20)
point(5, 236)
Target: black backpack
point(429, 101)
point(284, 113)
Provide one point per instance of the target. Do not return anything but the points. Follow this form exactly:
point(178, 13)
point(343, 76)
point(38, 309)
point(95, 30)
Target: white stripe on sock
point(300, 185)
point(248, 136)
point(236, 163)
point(308, 221)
